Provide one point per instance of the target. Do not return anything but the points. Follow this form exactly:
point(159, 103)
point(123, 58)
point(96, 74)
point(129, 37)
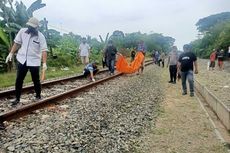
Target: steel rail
point(26, 89)
point(26, 109)
point(29, 88)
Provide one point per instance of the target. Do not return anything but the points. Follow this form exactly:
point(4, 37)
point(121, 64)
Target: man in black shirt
point(110, 53)
point(185, 66)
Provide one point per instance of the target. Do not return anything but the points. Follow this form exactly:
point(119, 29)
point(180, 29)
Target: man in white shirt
point(31, 46)
point(84, 52)
point(229, 53)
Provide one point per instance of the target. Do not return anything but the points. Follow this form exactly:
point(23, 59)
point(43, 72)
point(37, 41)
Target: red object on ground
point(124, 67)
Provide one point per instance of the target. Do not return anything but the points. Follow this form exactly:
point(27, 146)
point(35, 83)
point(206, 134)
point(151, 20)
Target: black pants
point(87, 72)
point(21, 73)
point(163, 63)
point(173, 72)
point(111, 64)
point(159, 62)
point(104, 64)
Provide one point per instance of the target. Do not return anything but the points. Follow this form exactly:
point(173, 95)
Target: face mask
point(32, 31)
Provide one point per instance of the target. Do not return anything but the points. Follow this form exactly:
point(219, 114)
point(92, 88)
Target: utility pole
point(47, 34)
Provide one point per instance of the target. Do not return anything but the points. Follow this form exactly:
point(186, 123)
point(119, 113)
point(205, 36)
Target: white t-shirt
point(84, 49)
point(31, 47)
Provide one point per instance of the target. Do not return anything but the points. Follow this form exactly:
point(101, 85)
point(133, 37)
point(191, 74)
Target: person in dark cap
point(110, 54)
point(186, 62)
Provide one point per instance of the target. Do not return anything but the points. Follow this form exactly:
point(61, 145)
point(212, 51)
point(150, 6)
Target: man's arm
point(91, 75)
point(15, 48)
point(44, 56)
point(89, 50)
point(196, 67)
point(168, 61)
point(178, 66)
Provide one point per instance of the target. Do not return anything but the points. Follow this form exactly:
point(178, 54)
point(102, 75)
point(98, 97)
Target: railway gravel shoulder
point(58, 88)
point(182, 125)
point(108, 118)
point(217, 82)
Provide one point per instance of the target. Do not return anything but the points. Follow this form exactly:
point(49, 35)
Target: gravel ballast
point(216, 81)
point(27, 98)
point(108, 118)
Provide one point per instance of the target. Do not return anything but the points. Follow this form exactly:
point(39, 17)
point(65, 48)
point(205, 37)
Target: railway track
point(29, 88)
point(49, 90)
point(70, 91)
point(10, 92)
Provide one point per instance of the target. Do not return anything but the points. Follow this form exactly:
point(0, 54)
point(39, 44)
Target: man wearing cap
point(32, 47)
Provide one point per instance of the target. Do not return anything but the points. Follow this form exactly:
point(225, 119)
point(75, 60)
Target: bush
point(61, 59)
point(68, 59)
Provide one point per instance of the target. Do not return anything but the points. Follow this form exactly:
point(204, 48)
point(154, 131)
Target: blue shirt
point(89, 67)
point(141, 48)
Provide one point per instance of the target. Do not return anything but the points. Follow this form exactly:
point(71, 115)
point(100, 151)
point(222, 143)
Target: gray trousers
point(187, 75)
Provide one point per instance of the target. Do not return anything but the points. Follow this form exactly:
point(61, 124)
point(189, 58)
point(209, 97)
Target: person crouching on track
point(90, 70)
point(32, 47)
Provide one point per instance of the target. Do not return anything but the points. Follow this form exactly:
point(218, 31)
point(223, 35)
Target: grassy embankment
point(8, 79)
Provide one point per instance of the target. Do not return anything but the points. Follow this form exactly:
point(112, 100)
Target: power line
point(59, 28)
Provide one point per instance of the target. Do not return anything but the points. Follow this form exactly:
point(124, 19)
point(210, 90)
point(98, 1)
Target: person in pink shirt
point(212, 60)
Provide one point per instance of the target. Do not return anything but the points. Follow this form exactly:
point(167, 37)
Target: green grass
point(8, 79)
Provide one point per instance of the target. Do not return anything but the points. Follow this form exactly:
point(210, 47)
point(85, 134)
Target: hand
point(93, 80)
point(119, 54)
point(9, 57)
point(196, 71)
point(44, 66)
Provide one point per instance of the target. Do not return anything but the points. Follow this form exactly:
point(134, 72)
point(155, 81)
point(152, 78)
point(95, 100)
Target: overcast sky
point(175, 18)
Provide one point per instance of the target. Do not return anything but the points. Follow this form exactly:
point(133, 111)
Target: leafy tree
point(205, 24)
point(216, 35)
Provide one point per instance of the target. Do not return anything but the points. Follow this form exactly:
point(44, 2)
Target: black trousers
point(173, 72)
point(21, 73)
point(163, 63)
point(87, 72)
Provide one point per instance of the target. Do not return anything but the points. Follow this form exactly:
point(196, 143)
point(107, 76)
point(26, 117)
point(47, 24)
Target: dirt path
point(182, 127)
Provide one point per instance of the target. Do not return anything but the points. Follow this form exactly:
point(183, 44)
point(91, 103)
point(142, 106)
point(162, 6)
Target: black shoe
point(15, 102)
point(37, 98)
point(170, 81)
point(174, 82)
point(2, 127)
point(192, 94)
point(184, 93)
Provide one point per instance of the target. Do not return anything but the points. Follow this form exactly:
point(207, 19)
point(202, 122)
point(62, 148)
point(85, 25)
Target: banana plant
point(35, 6)
point(4, 38)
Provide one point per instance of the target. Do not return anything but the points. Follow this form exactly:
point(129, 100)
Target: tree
point(205, 24)
point(216, 34)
